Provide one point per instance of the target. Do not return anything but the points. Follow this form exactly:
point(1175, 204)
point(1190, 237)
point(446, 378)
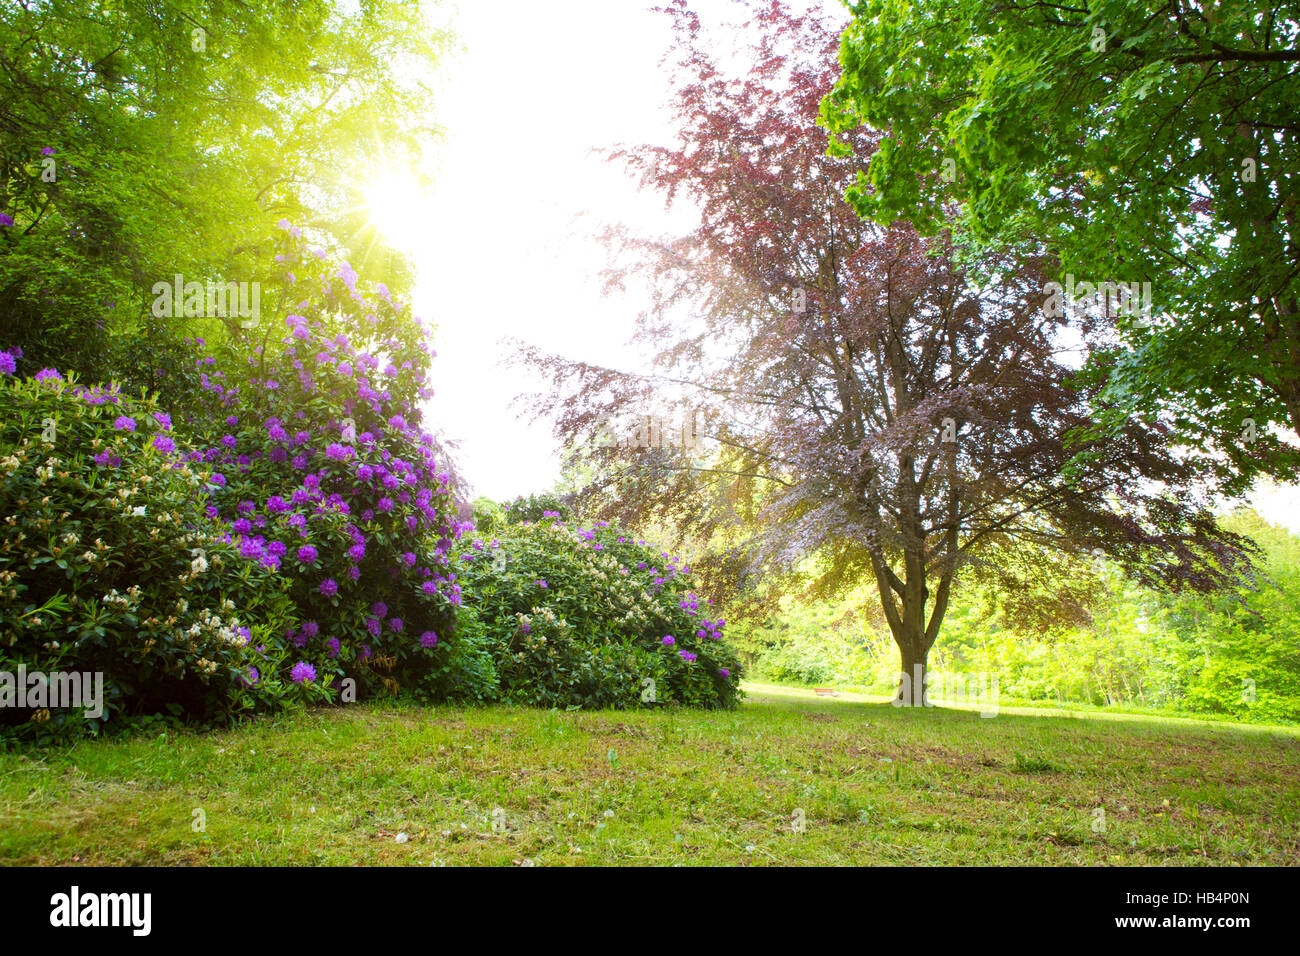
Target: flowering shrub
point(591, 618)
point(109, 563)
point(320, 468)
point(537, 508)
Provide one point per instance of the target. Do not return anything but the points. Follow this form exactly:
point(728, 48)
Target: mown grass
point(874, 784)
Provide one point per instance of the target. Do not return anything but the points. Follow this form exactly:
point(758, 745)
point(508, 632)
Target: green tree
point(1141, 141)
point(141, 140)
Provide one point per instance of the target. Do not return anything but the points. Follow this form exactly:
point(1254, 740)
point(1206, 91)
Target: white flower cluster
point(210, 624)
point(119, 601)
point(96, 555)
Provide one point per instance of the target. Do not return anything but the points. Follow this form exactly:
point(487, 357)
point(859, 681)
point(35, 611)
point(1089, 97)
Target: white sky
point(504, 245)
point(509, 250)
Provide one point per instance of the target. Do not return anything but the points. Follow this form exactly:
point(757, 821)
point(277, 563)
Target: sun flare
point(396, 203)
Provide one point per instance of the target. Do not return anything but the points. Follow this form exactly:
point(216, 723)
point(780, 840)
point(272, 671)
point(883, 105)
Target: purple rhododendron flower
point(7, 364)
point(428, 639)
point(396, 625)
point(164, 444)
point(669, 640)
point(124, 423)
point(724, 673)
point(329, 587)
point(217, 478)
point(302, 672)
point(307, 554)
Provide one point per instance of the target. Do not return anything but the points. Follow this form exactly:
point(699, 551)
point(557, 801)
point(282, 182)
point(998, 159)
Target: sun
point(396, 204)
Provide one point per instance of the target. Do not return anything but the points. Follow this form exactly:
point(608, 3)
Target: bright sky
point(504, 245)
point(507, 248)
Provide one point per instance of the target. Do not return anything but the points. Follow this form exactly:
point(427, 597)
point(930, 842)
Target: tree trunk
point(911, 683)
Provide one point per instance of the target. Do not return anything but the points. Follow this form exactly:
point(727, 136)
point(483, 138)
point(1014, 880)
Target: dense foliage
point(110, 564)
point(537, 507)
point(1233, 654)
point(1137, 140)
point(139, 140)
point(323, 472)
point(592, 618)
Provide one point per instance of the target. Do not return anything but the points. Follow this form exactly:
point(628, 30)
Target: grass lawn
point(400, 784)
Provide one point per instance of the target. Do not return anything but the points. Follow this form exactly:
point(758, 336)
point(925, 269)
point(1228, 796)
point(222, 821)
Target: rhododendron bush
point(319, 465)
point(109, 564)
point(592, 618)
point(300, 489)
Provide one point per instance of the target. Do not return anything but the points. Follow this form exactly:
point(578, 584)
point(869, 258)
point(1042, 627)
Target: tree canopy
point(1151, 141)
point(140, 140)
